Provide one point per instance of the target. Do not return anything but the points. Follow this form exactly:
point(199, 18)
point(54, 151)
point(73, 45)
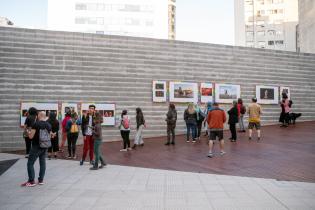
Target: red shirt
point(64, 123)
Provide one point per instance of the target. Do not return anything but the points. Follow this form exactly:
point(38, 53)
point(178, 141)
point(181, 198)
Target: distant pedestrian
point(86, 126)
point(54, 123)
point(64, 131)
point(140, 125)
point(216, 119)
point(39, 133)
point(28, 124)
point(72, 128)
point(285, 110)
point(200, 118)
point(241, 111)
point(206, 111)
point(190, 117)
point(254, 112)
point(97, 136)
point(125, 130)
point(171, 118)
point(233, 119)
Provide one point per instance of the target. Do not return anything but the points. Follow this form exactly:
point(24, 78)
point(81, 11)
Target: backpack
point(125, 123)
point(44, 138)
point(243, 109)
point(74, 128)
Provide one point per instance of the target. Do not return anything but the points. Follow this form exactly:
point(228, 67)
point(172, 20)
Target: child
point(97, 136)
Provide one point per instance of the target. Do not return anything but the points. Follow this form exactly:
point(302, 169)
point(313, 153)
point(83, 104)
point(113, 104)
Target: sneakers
point(129, 148)
point(249, 138)
point(167, 143)
point(102, 166)
point(74, 157)
point(123, 150)
point(134, 146)
point(28, 184)
point(173, 143)
point(40, 182)
point(187, 141)
point(210, 155)
point(222, 153)
point(92, 162)
point(81, 162)
point(142, 144)
point(94, 168)
point(69, 157)
point(258, 139)
point(194, 141)
point(49, 158)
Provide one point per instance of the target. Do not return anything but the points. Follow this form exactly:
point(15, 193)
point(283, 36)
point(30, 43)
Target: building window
point(261, 33)
point(80, 7)
point(249, 44)
point(270, 42)
point(262, 44)
point(279, 42)
point(249, 33)
point(279, 33)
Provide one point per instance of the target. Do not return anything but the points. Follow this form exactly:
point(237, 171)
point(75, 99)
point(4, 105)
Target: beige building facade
point(269, 24)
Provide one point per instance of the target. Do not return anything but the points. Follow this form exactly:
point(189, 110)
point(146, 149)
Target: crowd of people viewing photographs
point(42, 135)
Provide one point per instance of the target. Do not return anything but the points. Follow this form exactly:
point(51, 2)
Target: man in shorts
point(254, 112)
point(216, 119)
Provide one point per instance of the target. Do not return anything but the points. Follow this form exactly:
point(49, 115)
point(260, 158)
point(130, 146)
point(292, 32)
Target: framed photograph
point(285, 90)
point(206, 92)
point(159, 91)
point(267, 94)
point(69, 107)
point(40, 106)
point(183, 92)
point(227, 93)
point(105, 109)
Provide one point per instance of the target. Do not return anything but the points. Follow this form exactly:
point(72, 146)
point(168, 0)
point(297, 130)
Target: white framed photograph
point(159, 91)
point(183, 92)
point(267, 94)
point(206, 92)
point(227, 93)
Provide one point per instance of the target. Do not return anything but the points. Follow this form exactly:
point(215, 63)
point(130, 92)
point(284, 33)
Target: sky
point(210, 21)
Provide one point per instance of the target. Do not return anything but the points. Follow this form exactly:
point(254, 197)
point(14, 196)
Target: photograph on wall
point(227, 93)
point(285, 90)
point(106, 110)
point(68, 107)
point(40, 106)
point(183, 92)
point(206, 92)
point(159, 91)
point(267, 94)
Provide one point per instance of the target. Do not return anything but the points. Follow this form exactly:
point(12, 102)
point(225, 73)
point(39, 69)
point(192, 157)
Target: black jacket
point(233, 115)
point(85, 123)
point(171, 117)
point(140, 120)
point(190, 118)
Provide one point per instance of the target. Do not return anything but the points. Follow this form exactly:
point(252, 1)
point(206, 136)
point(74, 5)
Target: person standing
point(285, 110)
point(200, 119)
point(233, 119)
point(207, 110)
point(125, 130)
point(97, 136)
point(241, 111)
point(39, 130)
point(190, 117)
point(140, 125)
point(54, 123)
point(171, 118)
point(254, 112)
point(216, 119)
point(88, 142)
point(72, 128)
point(28, 124)
point(64, 131)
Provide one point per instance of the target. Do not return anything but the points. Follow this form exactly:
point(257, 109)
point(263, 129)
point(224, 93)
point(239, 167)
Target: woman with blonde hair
point(190, 117)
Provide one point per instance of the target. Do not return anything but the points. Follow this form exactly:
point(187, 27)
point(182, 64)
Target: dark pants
point(36, 152)
point(193, 128)
point(98, 153)
point(170, 130)
point(233, 131)
point(88, 146)
point(72, 140)
point(125, 137)
point(54, 145)
point(28, 144)
point(199, 125)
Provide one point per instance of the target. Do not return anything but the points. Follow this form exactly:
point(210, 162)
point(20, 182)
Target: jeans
point(125, 136)
point(170, 130)
point(88, 146)
point(28, 144)
point(36, 152)
point(193, 128)
point(233, 131)
point(138, 137)
point(98, 153)
point(72, 140)
point(241, 123)
point(199, 125)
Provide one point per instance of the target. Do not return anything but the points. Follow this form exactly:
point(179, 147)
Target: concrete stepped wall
point(63, 66)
